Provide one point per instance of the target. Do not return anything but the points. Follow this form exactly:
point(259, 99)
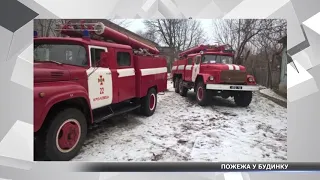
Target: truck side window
point(123, 59)
point(189, 61)
point(95, 56)
point(198, 59)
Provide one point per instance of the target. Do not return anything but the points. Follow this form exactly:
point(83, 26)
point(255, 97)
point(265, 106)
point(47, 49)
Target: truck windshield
point(216, 59)
point(61, 53)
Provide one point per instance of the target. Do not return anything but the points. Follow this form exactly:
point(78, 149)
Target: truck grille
point(233, 77)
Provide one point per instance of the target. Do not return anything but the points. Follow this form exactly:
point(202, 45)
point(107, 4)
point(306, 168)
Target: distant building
point(284, 62)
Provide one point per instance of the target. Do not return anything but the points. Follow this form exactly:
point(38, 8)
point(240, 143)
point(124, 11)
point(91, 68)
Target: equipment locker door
point(99, 80)
point(188, 69)
point(126, 81)
point(196, 68)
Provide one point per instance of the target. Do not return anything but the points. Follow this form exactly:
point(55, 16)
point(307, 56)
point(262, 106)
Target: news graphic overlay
point(16, 130)
point(200, 167)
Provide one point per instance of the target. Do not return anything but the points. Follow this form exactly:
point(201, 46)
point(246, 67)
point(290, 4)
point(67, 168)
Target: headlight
point(250, 79)
point(211, 78)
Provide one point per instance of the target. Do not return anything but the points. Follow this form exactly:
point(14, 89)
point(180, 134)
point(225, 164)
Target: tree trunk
point(253, 68)
point(246, 57)
point(270, 84)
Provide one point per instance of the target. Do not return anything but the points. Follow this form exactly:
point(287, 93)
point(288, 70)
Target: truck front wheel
point(149, 103)
point(243, 99)
point(203, 95)
point(65, 135)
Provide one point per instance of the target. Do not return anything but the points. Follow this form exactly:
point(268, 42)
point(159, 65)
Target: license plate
point(235, 87)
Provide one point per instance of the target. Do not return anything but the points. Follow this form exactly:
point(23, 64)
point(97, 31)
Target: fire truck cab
point(83, 79)
point(209, 71)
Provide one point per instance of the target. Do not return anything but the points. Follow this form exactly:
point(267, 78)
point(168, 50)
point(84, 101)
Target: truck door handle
point(117, 73)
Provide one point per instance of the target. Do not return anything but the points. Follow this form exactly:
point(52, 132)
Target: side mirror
point(103, 62)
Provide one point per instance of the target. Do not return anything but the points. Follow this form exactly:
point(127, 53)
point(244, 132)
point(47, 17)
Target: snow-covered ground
point(181, 130)
point(271, 93)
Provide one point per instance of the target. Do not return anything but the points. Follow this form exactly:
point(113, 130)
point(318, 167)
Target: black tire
point(146, 108)
point(204, 98)
point(182, 90)
point(243, 99)
point(73, 116)
point(176, 85)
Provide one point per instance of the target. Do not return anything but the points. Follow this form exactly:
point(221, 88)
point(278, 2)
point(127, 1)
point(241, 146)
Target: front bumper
point(230, 87)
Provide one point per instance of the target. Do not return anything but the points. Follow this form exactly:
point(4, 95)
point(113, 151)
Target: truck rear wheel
point(203, 95)
point(182, 90)
point(149, 103)
point(176, 85)
point(65, 135)
point(243, 99)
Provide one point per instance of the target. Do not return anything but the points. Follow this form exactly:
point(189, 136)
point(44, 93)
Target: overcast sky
point(137, 24)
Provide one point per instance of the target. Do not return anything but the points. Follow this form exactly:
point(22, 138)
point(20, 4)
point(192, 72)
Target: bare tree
point(148, 35)
point(180, 34)
point(267, 43)
point(177, 34)
point(45, 27)
point(241, 33)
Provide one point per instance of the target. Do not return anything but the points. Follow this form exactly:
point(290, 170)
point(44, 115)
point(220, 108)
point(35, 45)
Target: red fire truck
point(83, 79)
point(209, 71)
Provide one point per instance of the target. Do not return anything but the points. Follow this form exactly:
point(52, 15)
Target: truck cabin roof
point(80, 41)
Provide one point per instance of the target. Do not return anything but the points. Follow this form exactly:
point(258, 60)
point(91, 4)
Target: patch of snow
point(271, 93)
point(181, 130)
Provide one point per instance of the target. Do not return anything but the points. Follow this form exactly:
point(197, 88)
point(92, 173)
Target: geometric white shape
point(206, 175)
point(148, 9)
point(233, 176)
point(313, 23)
point(23, 73)
point(170, 9)
point(303, 59)
point(157, 15)
point(27, 54)
point(300, 84)
point(6, 37)
point(15, 163)
point(148, 4)
point(312, 30)
point(255, 9)
point(82, 9)
point(294, 31)
point(22, 38)
point(107, 175)
point(192, 8)
point(210, 10)
point(18, 142)
point(4, 179)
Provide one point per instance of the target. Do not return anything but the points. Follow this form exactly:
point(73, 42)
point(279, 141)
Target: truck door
point(196, 67)
point(126, 85)
point(188, 69)
point(99, 80)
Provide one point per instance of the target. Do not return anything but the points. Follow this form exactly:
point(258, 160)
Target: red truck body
point(93, 80)
point(209, 71)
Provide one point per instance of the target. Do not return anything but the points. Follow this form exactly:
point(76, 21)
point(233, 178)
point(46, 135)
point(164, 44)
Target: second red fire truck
point(210, 71)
